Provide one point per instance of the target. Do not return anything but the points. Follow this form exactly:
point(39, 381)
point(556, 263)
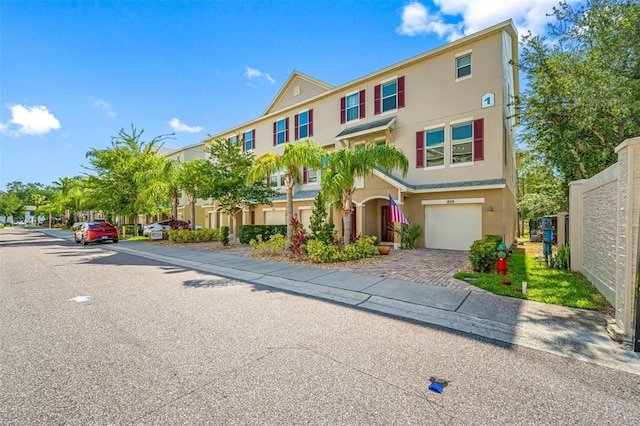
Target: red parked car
point(96, 232)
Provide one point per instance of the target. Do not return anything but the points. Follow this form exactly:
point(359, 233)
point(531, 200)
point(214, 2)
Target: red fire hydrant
point(502, 254)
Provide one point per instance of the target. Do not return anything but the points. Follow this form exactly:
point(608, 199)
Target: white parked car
point(165, 225)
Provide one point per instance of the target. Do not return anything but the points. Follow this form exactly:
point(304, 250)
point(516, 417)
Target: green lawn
point(558, 287)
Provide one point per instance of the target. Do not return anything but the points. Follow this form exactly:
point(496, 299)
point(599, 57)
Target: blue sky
point(72, 74)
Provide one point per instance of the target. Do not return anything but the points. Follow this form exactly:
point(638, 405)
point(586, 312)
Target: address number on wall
point(451, 201)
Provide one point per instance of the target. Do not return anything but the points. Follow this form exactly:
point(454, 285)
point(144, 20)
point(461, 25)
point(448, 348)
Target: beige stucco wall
point(604, 224)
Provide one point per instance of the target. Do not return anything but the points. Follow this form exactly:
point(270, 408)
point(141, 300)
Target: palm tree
point(194, 174)
point(301, 154)
point(344, 166)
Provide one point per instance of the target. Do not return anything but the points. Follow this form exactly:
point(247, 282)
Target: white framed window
point(313, 176)
point(390, 95)
point(276, 179)
point(303, 125)
point(281, 131)
point(434, 141)
point(234, 140)
point(248, 140)
point(463, 66)
point(353, 106)
point(462, 143)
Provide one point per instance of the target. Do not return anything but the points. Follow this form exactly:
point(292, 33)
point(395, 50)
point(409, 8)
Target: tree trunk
point(193, 215)
point(346, 217)
point(288, 182)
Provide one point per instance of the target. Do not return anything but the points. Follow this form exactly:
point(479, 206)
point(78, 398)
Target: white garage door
point(452, 227)
point(305, 218)
point(274, 218)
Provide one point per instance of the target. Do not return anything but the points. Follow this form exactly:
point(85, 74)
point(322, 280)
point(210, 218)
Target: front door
point(387, 226)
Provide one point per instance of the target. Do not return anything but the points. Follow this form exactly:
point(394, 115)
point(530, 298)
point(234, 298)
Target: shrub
point(321, 252)
point(408, 235)
point(482, 254)
point(298, 237)
point(246, 233)
point(224, 235)
point(562, 259)
point(187, 236)
point(276, 245)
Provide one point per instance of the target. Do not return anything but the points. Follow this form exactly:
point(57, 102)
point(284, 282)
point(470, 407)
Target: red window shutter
point(304, 174)
point(253, 139)
point(401, 92)
point(286, 129)
point(296, 129)
point(376, 100)
point(343, 110)
point(275, 133)
point(419, 149)
point(478, 139)
point(362, 104)
point(310, 127)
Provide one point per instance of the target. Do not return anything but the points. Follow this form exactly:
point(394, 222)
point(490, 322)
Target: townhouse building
point(451, 110)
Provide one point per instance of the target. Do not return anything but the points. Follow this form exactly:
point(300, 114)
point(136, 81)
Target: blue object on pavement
point(435, 387)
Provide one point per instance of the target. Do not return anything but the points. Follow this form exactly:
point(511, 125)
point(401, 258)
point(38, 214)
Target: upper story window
point(304, 124)
point(276, 179)
point(311, 176)
point(462, 143)
point(281, 131)
point(389, 96)
point(463, 66)
point(434, 140)
point(249, 140)
point(234, 140)
point(467, 144)
point(352, 107)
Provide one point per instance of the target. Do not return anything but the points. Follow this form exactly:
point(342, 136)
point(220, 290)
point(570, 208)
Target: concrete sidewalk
point(574, 333)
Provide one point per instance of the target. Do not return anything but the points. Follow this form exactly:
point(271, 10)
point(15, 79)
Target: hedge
point(246, 233)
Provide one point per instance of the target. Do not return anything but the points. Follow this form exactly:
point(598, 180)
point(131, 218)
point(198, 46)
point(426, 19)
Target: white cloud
point(252, 73)
point(474, 15)
point(99, 103)
point(181, 127)
point(417, 19)
point(31, 120)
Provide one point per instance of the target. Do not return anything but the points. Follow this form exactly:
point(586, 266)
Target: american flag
point(395, 213)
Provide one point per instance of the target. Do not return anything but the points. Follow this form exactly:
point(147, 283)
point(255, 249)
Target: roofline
point(502, 26)
point(282, 91)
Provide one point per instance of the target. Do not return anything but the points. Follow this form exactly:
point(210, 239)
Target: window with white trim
point(303, 125)
point(234, 140)
point(434, 141)
point(276, 179)
point(281, 131)
point(390, 96)
point(248, 140)
point(463, 66)
point(353, 106)
point(462, 143)
point(313, 176)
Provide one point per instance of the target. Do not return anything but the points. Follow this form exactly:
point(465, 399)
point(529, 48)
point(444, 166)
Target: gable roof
point(287, 88)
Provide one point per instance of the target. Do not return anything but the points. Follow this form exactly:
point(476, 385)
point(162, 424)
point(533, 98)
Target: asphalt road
point(92, 336)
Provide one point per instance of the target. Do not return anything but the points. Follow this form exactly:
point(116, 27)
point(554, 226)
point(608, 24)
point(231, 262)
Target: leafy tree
point(582, 99)
point(194, 175)
point(296, 156)
point(344, 166)
point(229, 181)
point(120, 171)
point(11, 205)
point(541, 191)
